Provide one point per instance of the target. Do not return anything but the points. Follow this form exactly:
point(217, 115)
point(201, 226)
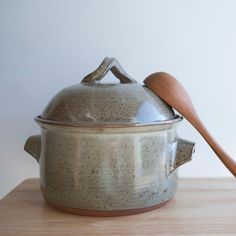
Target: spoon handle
point(219, 151)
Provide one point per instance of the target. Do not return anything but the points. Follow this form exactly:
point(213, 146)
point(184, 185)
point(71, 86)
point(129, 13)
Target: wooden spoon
point(173, 93)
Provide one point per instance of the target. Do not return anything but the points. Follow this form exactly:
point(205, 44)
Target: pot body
point(108, 171)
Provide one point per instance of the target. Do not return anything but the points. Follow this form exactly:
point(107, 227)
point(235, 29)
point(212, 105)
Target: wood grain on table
point(200, 207)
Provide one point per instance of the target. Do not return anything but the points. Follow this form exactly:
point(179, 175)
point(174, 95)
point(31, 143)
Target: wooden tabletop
point(200, 207)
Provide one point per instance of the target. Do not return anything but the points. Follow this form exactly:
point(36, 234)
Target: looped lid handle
point(108, 64)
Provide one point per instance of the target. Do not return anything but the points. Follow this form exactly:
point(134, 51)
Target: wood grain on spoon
point(173, 93)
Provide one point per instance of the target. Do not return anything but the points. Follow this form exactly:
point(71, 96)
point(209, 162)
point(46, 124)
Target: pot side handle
point(33, 146)
point(184, 150)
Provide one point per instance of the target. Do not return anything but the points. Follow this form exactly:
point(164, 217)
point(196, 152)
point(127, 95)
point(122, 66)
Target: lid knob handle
point(109, 64)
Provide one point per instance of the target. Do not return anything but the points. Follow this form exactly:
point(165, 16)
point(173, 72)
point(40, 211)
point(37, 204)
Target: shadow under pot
point(108, 149)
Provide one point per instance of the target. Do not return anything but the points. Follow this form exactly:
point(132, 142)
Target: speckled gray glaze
point(110, 168)
point(107, 104)
point(91, 103)
point(108, 147)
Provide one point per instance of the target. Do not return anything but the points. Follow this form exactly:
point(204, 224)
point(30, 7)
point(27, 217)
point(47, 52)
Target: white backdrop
point(47, 45)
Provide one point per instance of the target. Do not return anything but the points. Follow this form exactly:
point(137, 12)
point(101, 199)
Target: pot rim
point(39, 119)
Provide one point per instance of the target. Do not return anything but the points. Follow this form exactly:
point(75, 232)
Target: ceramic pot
point(108, 149)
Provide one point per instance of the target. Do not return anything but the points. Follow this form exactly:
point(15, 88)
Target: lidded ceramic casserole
point(108, 149)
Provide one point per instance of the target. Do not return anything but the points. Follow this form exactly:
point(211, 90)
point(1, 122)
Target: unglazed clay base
point(85, 212)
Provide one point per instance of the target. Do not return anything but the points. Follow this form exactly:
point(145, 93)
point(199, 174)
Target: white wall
point(47, 45)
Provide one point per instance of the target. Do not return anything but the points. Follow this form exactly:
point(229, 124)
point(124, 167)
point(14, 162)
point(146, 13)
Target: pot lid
point(93, 103)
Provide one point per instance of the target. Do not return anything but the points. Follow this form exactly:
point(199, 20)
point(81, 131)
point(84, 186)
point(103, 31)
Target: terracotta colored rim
point(85, 212)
